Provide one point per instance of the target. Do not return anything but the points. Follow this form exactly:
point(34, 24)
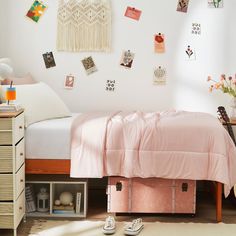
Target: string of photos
point(85, 26)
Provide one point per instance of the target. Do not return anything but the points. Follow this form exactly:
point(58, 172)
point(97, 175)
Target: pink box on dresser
point(151, 195)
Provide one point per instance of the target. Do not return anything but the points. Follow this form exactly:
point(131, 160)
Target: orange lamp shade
point(11, 93)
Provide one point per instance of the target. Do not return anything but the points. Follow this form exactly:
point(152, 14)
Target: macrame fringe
point(81, 35)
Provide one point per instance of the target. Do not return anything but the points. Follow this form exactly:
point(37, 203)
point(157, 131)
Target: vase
point(233, 109)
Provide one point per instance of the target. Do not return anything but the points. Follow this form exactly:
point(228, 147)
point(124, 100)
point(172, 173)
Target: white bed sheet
point(49, 139)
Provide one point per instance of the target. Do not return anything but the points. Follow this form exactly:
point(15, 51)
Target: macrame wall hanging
point(84, 25)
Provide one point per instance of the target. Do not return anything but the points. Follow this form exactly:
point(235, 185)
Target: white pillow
point(6, 61)
point(40, 103)
point(5, 70)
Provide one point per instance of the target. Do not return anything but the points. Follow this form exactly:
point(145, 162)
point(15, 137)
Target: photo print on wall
point(127, 59)
point(110, 85)
point(182, 5)
point(133, 13)
point(49, 60)
point(89, 65)
point(159, 76)
point(159, 43)
point(36, 11)
point(69, 81)
point(215, 3)
point(196, 28)
point(190, 54)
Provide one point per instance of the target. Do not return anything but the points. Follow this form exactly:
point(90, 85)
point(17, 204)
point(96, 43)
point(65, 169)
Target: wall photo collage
point(38, 8)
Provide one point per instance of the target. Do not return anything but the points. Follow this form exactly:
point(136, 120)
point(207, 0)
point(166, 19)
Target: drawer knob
point(21, 180)
point(20, 208)
point(20, 127)
point(21, 154)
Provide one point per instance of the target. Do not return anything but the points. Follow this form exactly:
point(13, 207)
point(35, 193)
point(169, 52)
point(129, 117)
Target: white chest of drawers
point(12, 170)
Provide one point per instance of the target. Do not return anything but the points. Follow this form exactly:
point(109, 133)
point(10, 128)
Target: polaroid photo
point(133, 13)
point(36, 10)
point(159, 76)
point(159, 43)
point(110, 85)
point(196, 28)
point(127, 59)
point(182, 5)
point(190, 54)
point(49, 60)
point(89, 65)
point(215, 3)
point(69, 82)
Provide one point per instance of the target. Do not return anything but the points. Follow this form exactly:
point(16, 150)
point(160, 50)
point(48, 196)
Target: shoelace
point(134, 223)
point(109, 222)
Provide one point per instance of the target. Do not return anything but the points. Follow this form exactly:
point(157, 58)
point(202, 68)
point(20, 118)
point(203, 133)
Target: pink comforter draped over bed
point(173, 144)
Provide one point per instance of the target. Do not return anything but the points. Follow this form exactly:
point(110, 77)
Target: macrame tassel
point(84, 25)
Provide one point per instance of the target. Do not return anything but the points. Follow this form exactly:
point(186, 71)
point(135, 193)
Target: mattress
point(49, 139)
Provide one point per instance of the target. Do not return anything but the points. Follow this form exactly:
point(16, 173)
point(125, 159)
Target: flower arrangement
point(225, 84)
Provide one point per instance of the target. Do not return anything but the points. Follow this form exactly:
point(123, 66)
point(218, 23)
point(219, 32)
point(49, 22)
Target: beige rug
point(93, 228)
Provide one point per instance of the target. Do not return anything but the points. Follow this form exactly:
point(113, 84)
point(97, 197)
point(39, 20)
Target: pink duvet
point(176, 145)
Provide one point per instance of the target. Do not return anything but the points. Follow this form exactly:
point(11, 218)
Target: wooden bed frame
point(39, 166)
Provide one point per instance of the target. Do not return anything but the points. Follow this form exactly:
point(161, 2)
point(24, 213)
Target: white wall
point(3, 28)
point(186, 82)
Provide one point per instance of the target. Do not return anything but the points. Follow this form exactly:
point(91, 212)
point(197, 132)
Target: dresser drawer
point(6, 222)
point(11, 130)
point(20, 181)
point(20, 208)
point(6, 165)
point(5, 124)
point(20, 154)
point(6, 152)
point(7, 212)
point(19, 127)
point(7, 155)
point(6, 185)
point(6, 208)
point(6, 137)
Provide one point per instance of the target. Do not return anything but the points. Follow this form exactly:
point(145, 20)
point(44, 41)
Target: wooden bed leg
point(218, 201)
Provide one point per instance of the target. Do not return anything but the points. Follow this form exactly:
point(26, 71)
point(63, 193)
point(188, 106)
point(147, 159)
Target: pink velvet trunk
point(151, 195)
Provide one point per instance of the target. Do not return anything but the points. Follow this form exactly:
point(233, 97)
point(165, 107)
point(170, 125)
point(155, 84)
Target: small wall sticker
point(110, 85)
point(190, 53)
point(196, 28)
point(49, 60)
point(159, 43)
point(215, 3)
point(69, 82)
point(182, 5)
point(89, 65)
point(127, 59)
point(159, 76)
point(133, 13)
point(36, 11)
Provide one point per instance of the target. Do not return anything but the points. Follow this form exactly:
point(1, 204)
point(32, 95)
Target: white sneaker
point(134, 228)
point(109, 226)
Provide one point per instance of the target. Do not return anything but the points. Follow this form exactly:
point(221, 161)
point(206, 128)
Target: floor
point(205, 212)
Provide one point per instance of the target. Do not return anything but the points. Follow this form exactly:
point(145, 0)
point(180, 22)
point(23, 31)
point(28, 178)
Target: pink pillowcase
point(27, 79)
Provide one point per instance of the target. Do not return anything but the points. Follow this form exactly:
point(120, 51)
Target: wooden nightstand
point(12, 170)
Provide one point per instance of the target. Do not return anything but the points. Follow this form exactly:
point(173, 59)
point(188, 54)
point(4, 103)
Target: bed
point(47, 150)
point(48, 146)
